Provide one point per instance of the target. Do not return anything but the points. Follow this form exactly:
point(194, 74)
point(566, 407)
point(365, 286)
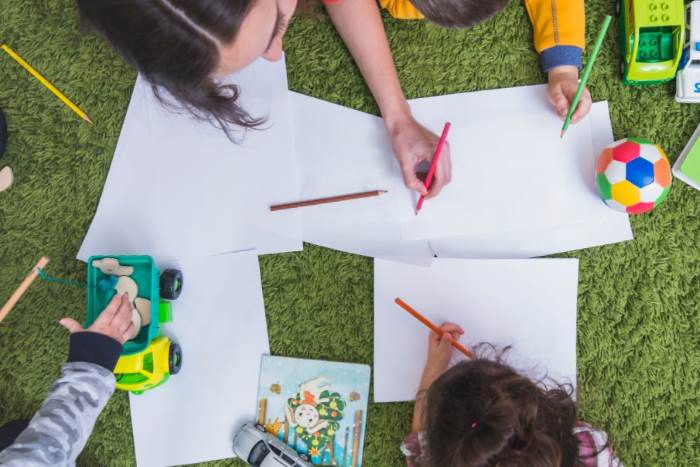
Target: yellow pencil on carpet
point(15, 56)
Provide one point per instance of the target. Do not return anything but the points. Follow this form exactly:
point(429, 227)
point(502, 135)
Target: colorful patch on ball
point(633, 175)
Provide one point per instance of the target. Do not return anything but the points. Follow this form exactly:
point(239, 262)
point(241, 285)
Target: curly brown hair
point(484, 413)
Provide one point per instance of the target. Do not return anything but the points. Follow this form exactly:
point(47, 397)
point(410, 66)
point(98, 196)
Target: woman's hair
point(483, 413)
point(175, 45)
point(459, 13)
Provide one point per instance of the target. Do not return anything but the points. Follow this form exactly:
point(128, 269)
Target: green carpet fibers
point(638, 347)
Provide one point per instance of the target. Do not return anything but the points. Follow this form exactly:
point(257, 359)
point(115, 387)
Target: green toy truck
point(148, 359)
point(651, 39)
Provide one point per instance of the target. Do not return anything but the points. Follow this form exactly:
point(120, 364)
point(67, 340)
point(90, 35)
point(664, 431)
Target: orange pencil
point(432, 326)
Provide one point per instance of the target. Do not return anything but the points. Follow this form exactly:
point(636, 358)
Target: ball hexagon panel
point(604, 160)
point(615, 205)
point(639, 208)
point(604, 187)
point(662, 172)
point(626, 151)
point(625, 193)
point(650, 193)
point(640, 172)
point(651, 152)
point(616, 172)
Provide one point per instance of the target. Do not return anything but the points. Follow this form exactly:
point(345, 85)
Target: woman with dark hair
point(185, 46)
point(482, 413)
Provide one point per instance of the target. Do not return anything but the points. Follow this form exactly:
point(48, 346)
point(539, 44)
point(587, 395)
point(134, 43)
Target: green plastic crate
point(147, 277)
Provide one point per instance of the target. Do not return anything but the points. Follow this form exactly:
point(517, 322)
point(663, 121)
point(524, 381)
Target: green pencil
point(586, 72)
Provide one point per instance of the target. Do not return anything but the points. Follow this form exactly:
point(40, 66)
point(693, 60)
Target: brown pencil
point(331, 199)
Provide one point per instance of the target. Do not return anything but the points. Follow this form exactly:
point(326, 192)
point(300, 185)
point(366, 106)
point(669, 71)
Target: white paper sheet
point(219, 320)
point(179, 188)
point(511, 170)
point(343, 151)
point(540, 242)
point(529, 304)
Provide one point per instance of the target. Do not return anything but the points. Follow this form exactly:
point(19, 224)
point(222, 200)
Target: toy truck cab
point(651, 40)
point(148, 359)
point(688, 78)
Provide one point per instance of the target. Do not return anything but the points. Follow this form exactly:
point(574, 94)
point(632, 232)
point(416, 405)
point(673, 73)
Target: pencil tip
point(87, 119)
point(561, 135)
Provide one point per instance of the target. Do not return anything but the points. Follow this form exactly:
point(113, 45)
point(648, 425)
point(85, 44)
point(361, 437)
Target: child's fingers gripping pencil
point(434, 164)
point(433, 327)
point(586, 73)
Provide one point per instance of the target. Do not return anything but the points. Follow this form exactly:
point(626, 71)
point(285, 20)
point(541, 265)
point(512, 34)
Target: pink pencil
point(433, 165)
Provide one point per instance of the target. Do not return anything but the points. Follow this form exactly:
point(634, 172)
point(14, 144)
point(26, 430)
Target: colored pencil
point(45, 82)
point(586, 73)
point(433, 164)
point(432, 326)
point(14, 298)
point(332, 199)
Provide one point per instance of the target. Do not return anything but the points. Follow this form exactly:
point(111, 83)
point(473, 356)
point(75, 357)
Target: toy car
point(688, 77)
point(147, 360)
point(261, 449)
point(651, 39)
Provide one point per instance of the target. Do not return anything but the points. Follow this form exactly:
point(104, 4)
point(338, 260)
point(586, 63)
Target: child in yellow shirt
point(559, 34)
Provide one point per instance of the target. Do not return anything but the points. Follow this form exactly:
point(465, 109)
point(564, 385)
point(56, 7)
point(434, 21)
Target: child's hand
point(563, 82)
point(413, 144)
point(114, 321)
point(440, 352)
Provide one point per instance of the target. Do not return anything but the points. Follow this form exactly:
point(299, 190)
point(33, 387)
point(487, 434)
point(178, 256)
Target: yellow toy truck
point(148, 359)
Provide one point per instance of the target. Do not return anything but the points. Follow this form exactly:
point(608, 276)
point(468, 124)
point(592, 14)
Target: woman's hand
point(415, 145)
point(114, 321)
point(563, 82)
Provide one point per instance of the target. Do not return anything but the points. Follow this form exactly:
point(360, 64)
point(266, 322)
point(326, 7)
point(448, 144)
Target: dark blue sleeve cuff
point(561, 55)
point(94, 348)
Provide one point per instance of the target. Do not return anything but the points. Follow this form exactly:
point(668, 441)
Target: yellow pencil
point(45, 82)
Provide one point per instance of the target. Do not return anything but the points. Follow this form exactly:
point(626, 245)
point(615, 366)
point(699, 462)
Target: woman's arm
point(360, 25)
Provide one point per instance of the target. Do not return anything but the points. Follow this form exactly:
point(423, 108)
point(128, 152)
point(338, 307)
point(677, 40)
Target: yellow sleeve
point(557, 22)
point(401, 9)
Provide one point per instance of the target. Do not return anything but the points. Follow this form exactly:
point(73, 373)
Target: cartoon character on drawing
point(315, 411)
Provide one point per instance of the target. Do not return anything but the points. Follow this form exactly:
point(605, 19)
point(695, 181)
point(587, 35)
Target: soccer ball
point(633, 175)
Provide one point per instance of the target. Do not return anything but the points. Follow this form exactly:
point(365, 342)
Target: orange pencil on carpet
point(433, 327)
point(433, 164)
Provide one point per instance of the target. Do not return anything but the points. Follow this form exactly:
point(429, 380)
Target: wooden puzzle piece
point(126, 285)
point(6, 178)
point(136, 320)
point(144, 308)
point(112, 267)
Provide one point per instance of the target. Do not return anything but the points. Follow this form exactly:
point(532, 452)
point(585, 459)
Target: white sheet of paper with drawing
point(343, 151)
point(219, 321)
point(529, 304)
point(180, 188)
point(611, 228)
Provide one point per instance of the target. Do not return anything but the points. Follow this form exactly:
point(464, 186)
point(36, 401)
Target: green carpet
point(638, 351)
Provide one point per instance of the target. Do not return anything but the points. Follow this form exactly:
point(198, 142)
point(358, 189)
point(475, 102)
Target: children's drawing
point(318, 408)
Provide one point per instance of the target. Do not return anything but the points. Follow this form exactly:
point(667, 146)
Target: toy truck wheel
point(175, 358)
point(170, 284)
